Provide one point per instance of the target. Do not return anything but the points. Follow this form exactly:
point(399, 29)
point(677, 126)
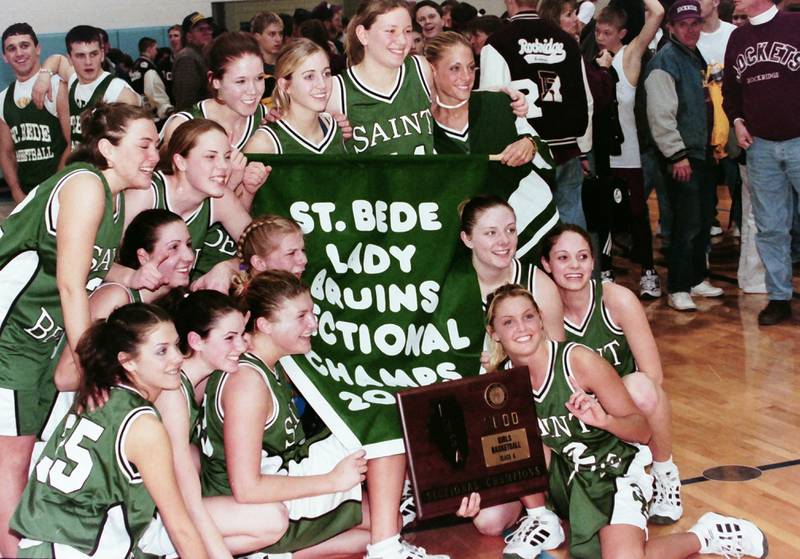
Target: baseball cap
point(683, 9)
point(193, 19)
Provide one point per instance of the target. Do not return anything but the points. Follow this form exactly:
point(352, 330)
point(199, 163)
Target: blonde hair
point(368, 11)
point(259, 238)
point(497, 354)
point(438, 45)
point(290, 57)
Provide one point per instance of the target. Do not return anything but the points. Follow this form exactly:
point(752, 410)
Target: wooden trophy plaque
point(478, 434)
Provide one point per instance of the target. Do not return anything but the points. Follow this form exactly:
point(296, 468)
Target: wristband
point(46, 71)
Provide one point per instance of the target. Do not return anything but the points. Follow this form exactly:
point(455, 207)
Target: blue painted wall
point(127, 40)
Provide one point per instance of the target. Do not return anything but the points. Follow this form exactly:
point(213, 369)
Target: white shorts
point(634, 491)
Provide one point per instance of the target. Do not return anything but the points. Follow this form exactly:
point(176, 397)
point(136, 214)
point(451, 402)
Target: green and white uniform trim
point(594, 478)
point(218, 245)
point(31, 321)
point(288, 140)
point(491, 127)
point(38, 139)
point(399, 122)
point(598, 331)
point(285, 451)
point(84, 494)
point(76, 107)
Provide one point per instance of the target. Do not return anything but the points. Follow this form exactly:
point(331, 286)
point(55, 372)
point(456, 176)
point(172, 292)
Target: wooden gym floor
point(735, 392)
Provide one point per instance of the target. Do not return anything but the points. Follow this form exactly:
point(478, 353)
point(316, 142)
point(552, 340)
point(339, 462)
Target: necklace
point(456, 106)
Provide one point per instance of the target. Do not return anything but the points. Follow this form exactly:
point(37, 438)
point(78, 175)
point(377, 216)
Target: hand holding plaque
point(472, 435)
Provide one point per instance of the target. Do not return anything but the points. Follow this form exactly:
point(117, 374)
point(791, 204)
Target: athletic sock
point(384, 546)
point(536, 511)
point(662, 468)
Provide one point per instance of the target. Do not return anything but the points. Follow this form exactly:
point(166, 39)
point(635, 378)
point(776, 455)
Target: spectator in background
point(300, 15)
point(480, 29)
point(87, 82)
point(417, 41)
point(315, 30)
point(461, 17)
point(428, 15)
point(331, 18)
point(148, 81)
point(189, 72)
point(760, 85)
point(448, 7)
point(678, 112)
point(561, 14)
point(738, 18)
point(165, 57)
point(105, 45)
point(267, 29)
point(560, 106)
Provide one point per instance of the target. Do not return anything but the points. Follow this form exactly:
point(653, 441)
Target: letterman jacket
point(543, 61)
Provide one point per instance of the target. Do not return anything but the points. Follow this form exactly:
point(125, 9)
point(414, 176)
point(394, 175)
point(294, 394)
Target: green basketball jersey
point(585, 462)
point(284, 451)
point(218, 245)
point(32, 321)
point(598, 331)
point(76, 108)
point(397, 123)
point(290, 141)
point(283, 438)
point(198, 222)
point(84, 492)
point(195, 410)
point(38, 140)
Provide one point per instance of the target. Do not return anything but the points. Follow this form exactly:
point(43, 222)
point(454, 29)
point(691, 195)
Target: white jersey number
point(531, 91)
point(52, 471)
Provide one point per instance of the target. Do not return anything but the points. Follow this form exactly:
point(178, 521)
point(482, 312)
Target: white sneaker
point(666, 507)
point(649, 285)
point(408, 508)
point(729, 537)
point(406, 551)
point(715, 230)
point(681, 301)
point(705, 289)
point(532, 535)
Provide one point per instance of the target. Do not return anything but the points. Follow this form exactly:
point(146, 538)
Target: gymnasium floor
point(734, 388)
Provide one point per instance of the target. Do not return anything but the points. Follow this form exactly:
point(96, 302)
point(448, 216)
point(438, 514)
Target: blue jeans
point(774, 169)
point(692, 204)
point(654, 178)
point(567, 193)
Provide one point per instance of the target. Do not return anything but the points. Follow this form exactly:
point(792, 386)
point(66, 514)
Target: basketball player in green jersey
point(117, 456)
point(87, 82)
point(155, 238)
point(610, 319)
point(81, 209)
point(32, 140)
point(301, 94)
point(585, 413)
point(386, 94)
point(210, 329)
point(254, 446)
point(237, 81)
point(192, 183)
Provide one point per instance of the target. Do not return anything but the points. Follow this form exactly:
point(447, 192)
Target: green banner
point(396, 296)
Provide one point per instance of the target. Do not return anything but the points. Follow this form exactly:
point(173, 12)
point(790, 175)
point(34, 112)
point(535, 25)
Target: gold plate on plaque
point(506, 447)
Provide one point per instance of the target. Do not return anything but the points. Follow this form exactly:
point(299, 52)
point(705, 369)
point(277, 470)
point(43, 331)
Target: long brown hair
point(265, 293)
point(107, 121)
